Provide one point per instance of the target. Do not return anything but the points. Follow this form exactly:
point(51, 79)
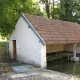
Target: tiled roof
point(55, 31)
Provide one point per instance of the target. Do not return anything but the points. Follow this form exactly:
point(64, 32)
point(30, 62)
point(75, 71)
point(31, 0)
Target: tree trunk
point(47, 8)
point(53, 11)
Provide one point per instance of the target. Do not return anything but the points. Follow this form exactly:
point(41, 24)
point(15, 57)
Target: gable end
point(30, 26)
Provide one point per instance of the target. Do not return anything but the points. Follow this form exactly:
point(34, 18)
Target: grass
point(51, 58)
point(3, 44)
point(17, 64)
point(2, 48)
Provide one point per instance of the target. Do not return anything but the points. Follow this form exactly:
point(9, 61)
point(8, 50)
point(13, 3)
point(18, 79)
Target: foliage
point(10, 11)
point(51, 58)
point(47, 6)
point(68, 10)
point(4, 65)
point(51, 8)
point(2, 48)
point(36, 9)
point(3, 44)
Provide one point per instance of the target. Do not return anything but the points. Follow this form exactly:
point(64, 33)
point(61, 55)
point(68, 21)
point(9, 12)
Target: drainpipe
point(74, 58)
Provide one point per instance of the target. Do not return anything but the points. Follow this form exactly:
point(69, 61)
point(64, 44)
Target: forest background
point(10, 10)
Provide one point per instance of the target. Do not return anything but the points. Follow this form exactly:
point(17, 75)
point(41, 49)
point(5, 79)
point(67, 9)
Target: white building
point(35, 36)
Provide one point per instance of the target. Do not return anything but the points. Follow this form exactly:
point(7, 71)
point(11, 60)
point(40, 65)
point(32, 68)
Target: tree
point(10, 11)
point(36, 9)
point(50, 8)
point(47, 6)
point(69, 10)
point(55, 9)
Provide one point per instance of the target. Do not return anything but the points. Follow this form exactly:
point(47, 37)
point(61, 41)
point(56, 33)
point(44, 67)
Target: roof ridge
point(47, 18)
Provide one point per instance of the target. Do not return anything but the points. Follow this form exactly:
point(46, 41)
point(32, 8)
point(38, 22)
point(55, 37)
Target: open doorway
point(14, 49)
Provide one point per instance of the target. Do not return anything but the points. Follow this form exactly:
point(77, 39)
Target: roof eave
point(33, 28)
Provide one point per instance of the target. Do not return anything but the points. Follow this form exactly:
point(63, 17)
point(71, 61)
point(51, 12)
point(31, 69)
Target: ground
point(37, 74)
point(32, 74)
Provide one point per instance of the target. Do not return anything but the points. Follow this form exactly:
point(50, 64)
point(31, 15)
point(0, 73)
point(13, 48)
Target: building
point(34, 36)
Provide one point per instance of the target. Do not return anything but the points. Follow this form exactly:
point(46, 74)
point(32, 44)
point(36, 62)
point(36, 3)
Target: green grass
point(2, 48)
point(17, 64)
point(3, 44)
point(51, 58)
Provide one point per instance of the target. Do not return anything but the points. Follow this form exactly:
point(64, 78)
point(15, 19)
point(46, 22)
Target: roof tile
point(55, 31)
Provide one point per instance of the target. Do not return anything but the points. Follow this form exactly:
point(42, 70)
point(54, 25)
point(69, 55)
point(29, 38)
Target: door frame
point(14, 49)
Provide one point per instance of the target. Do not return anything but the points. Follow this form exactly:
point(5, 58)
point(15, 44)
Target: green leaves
point(70, 8)
point(10, 11)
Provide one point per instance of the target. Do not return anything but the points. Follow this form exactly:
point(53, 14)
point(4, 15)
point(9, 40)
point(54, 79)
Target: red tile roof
point(55, 31)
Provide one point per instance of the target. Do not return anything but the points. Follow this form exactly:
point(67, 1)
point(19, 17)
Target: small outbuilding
point(34, 36)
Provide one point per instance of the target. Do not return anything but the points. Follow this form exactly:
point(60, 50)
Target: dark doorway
point(14, 49)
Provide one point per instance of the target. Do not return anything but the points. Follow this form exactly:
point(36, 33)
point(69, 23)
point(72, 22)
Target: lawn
point(2, 44)
point(2, 48)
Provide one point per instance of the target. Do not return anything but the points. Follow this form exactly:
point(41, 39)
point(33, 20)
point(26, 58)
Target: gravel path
point(33, 77)
point(38, 74)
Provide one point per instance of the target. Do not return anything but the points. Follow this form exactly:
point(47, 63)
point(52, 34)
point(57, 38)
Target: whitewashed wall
point(29, 48)
point(43, 56)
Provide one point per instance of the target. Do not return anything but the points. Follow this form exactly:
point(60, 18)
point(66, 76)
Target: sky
point(35, 0)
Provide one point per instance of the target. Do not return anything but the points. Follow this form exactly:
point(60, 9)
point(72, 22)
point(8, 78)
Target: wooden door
point(14, 49)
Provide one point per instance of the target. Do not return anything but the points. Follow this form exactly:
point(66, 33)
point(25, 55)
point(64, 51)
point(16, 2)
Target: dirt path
point(37, 74)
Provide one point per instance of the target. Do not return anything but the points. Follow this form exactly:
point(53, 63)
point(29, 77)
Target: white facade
point(29, 48)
